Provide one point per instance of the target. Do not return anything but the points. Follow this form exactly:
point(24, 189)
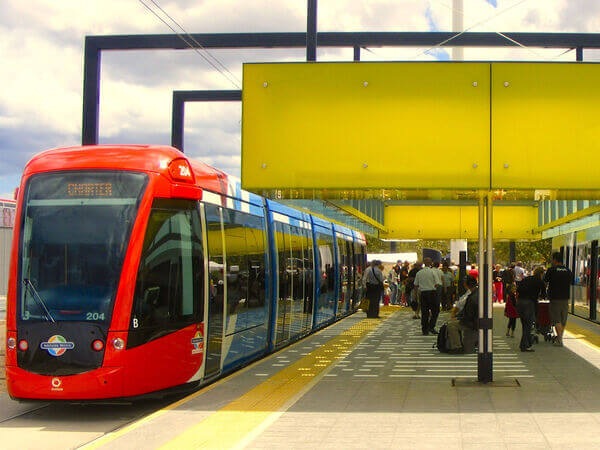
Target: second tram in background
point(136, 270)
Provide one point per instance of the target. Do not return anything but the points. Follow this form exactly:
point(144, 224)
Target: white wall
point(5, 245)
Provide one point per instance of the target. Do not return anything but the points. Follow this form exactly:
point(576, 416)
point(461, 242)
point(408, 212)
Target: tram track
point(24, 413)
point(68, 425)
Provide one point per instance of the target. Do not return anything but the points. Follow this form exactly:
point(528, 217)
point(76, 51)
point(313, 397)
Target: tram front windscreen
point(74, 236)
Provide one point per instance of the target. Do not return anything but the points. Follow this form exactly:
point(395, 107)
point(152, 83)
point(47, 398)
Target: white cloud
point(42, 52)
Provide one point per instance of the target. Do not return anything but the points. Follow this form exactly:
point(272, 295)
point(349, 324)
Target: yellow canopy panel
point(458, 222)
point(337, 129)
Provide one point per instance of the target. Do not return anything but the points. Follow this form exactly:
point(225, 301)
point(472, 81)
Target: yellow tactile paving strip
point(226, 427)
point(583, 334)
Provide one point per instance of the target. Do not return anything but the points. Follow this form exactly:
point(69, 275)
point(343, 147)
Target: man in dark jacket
point(470, 313)
point(530, 290)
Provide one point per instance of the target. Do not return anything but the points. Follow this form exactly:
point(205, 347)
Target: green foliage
point(530, 253)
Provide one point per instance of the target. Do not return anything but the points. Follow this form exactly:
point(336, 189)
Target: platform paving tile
point(393, 391)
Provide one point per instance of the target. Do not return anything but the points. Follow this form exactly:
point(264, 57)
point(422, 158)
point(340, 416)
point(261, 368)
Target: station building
point(7, 221)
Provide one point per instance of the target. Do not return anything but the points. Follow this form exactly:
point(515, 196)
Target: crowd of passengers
point(428, 287)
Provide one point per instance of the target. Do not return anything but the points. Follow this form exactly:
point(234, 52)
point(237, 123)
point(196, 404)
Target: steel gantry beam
point(178, 112)
point(95, 45)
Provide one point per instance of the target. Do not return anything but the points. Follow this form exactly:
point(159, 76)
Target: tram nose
point(60, 348)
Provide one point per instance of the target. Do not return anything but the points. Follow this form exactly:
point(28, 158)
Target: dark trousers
point(374, 292)
point(526, 309)
point(430, 309)
point(512, 323)
point(395, 297)
point(413, 301)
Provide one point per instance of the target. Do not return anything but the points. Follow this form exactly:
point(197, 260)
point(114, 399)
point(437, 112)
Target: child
point(510, 309)
point(387, 293)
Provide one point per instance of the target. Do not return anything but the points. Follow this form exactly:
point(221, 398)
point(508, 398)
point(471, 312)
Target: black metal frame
point(178, 110)
point(95, 45)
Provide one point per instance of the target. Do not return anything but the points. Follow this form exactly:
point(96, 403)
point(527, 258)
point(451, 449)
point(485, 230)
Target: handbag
point(364, 304)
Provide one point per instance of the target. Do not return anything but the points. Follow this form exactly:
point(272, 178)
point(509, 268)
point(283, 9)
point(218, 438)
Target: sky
point(41, 74)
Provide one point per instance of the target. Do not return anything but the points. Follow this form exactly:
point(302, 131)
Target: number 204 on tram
point(136, 271)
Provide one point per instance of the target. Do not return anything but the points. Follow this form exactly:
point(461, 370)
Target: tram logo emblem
point(56, 382)
point(198, 343)
point(57, 345)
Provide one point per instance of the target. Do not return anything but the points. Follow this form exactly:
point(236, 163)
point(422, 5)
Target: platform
point(363, 383)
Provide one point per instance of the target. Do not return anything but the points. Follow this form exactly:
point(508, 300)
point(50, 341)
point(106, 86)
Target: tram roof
point(147, 158)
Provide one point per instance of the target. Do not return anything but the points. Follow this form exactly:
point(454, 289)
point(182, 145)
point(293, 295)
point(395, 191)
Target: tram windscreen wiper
point(28, 284)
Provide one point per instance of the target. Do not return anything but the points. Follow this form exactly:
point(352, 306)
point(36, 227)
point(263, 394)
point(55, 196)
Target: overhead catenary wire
point(514, 41)
point(233, 81)
point(214, 58)
point(487, 19)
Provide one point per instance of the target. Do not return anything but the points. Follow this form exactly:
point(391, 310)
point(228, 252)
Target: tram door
point(216, 288)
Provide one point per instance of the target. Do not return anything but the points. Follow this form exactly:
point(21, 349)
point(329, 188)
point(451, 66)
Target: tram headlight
point(118, 343)
point(11, 343)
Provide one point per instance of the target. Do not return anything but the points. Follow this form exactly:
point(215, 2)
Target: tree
point(530, 253)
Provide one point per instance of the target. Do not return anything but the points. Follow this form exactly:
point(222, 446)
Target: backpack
point(441, 342)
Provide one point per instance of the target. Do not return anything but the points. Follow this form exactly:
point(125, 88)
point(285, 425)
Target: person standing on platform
point(498, 287)
point(393, 276)
point(412, 294)
point(374, 286)
point(474, 272)
point(403, 277)
point(559, 280)
point(438, 272)
point(447, 287)
point(519, 272)
point(508, 278)
point(530, 290)
point(510, 308)
point(427, 281)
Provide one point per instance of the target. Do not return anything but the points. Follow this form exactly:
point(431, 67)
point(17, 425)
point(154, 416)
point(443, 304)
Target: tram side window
point(343, 269)
point(214, 248)
point(309, 270)
point(237, 267)
point(245, 253)
point(255, 252)
point(169, 287)
point(283, 243)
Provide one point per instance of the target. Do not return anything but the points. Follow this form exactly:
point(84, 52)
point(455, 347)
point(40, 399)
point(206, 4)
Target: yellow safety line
point(105, 439)
point(583, 334)
point(226, 427)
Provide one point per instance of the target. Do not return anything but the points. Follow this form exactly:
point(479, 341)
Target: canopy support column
point(485, 354)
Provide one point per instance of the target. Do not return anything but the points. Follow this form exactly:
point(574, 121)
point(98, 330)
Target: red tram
point(136, 271)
